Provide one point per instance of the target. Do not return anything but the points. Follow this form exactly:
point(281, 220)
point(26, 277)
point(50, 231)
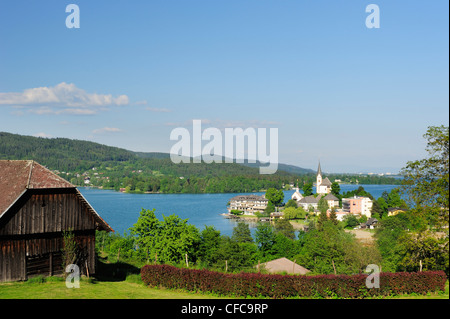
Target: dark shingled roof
point(331, 197)
point(16, 177)
point(309, 200)
point(249, 198)
point(326, 182)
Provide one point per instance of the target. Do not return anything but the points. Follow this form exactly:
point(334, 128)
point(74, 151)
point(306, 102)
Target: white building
point(323, 186)
point(249, 204)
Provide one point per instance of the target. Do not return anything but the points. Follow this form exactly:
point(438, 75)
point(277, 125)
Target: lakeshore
point(122, 209)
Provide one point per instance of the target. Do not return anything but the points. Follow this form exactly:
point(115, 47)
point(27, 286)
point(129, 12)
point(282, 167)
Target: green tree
point(275, 196)
point(209, 243)
point(242, 234)
point(336, 189)
point(233, 255)
point(423, 251)
point(169, 239)
point(323, 218)
point(291, 203)
point(333, 216)
point(350, 221)
point(322, 206)
point(147, 231)
point(307, 189)
point(285, 228)
point(426, 181)
point(388, 235)
point(293, 213)
point(333, 250)
point(380, 207)
point(394, 199)
point(264, 238)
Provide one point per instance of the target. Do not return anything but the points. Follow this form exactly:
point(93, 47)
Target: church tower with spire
point(319, 176)
point(323, 186)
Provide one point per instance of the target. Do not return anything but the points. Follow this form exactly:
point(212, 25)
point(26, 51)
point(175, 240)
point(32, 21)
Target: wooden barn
point(36, 207)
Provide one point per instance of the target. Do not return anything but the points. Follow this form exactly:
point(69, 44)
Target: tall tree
point(275, 196)
point(336, 189)
point(264, 237)
point(242, 234)
point(285, 228)
point(426, 181)
point(322, 206)
point(307, 189)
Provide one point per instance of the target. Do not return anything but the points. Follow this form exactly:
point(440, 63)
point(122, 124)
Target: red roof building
point(36, 207)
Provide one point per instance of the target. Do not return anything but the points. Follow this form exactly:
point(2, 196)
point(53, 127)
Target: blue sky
point(358, 99)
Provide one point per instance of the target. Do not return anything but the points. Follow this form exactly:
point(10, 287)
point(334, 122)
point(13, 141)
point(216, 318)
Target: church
point(323, 186)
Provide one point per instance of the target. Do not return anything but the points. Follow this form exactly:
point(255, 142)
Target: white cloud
point(106, 130)
point(60, 99)
point(155, 109)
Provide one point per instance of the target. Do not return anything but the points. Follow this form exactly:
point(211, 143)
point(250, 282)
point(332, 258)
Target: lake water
point(121, 210)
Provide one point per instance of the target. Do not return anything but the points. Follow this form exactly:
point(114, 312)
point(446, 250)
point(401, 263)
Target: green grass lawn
point(126, 289)
point(120, 280)
point(88, 290)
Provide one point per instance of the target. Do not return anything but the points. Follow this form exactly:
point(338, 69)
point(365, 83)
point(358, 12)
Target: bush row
point(281, 286)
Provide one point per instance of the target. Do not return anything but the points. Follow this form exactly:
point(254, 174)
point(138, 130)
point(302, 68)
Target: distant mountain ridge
point(66, 154)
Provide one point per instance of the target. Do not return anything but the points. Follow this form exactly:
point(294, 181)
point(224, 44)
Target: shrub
point(281, 286)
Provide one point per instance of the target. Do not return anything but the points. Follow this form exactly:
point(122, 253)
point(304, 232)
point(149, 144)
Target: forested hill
point(112, 167)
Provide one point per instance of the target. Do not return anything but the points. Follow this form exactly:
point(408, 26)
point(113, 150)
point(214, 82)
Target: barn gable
point(20, 177)
point(36, 207)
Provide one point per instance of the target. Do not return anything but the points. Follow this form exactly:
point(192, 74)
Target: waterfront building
point(249, 204)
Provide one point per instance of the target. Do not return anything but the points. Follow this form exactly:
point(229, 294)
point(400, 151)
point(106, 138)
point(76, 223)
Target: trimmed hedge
point(281, 286)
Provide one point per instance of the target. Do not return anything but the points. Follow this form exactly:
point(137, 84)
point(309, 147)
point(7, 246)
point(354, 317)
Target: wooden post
point(334, 267)
point(420, 262)
point(226, 265)
point(87, 268)
point(51, 264)
point(187, 263)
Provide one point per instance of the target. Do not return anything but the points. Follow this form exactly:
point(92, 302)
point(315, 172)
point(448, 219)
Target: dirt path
point(362, 235)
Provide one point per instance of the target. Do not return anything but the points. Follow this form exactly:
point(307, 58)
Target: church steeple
point(318, 179)
point(319, 170)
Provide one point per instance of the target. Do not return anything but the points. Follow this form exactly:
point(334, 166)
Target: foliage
point(282, 286)
point(291, 203)
point(307, 189)
point(426, 181)
point(209, 243)
point(360, 191)
point(322, 206)
point(285, 228)
point(275, 196)
point(242, 234)
point(423, 251)
point(294, 213)
point(168, 240)
point(264, 238)
point(70, 250)
point(330, 248)
point(388, 235)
